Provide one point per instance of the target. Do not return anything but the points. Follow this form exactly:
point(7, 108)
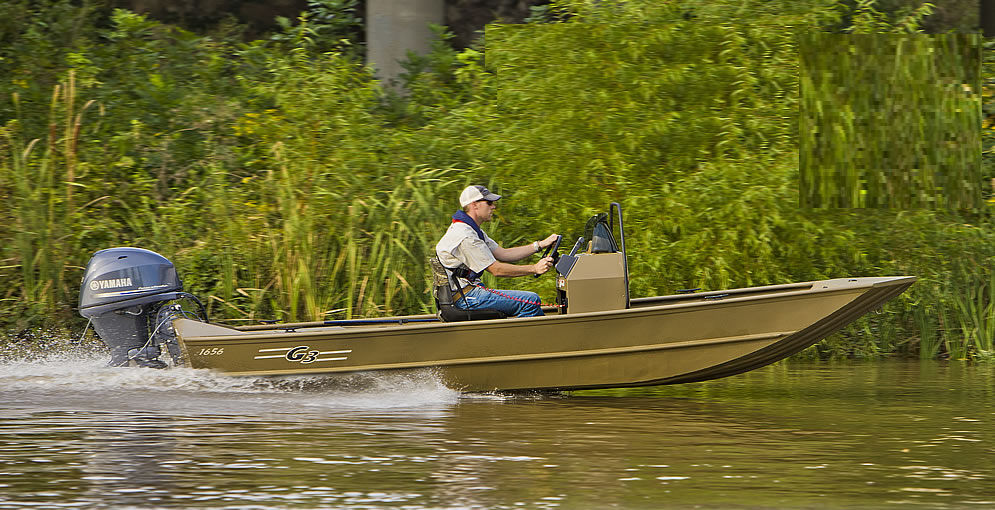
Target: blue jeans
point(479, 298)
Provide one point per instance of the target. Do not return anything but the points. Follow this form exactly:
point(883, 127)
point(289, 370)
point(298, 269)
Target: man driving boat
point(466, 252)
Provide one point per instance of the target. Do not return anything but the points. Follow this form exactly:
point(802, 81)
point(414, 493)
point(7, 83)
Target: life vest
point(463, 271)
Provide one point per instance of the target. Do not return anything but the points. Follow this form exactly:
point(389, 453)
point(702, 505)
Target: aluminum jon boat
point(597, 338)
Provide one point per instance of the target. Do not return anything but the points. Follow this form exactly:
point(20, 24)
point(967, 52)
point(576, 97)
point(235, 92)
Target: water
point(796, 435)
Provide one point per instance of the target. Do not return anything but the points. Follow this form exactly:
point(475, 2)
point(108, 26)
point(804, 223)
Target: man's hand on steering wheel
point(547, 242)
point(543, 265)
point(548, 259)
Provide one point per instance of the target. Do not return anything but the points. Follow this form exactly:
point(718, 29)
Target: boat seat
point(449, 313)
point(444, 299)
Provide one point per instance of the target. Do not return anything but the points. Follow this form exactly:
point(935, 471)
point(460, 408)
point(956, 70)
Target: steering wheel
point(552, 248)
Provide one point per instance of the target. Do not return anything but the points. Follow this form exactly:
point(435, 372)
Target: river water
point(794, 435)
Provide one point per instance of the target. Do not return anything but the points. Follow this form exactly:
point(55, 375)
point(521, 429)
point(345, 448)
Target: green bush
point(286, 184)
point(857, 88)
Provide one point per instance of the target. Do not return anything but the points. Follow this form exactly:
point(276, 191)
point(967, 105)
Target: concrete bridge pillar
point(394, 27)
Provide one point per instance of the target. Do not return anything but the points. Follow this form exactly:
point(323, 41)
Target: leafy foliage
point(285, 183)
point(856, 88)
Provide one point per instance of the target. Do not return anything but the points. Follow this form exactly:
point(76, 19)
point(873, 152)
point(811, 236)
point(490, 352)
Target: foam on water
point(65, 370)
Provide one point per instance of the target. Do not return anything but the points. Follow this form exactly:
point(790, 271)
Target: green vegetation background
point(855, 88)
point(285, 183)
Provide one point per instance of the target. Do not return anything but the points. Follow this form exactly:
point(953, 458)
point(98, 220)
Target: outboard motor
point(123, 293)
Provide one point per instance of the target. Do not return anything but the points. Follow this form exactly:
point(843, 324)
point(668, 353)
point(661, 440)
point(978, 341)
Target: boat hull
point(662, 340)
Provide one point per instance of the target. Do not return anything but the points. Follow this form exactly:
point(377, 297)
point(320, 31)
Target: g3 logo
point(302, 354)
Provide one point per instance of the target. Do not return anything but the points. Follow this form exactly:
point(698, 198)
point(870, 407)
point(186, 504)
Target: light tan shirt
point(461, 246)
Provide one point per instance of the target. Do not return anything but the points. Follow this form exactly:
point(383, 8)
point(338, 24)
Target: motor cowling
point(121, 293)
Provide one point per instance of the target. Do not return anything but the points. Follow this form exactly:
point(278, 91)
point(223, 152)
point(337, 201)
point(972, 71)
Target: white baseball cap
point(474, 193)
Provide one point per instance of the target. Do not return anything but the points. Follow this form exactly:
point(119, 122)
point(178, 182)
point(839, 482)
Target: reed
point(300, 191)
point(312, 250)
point(890, 121)
point(43, 176)
point(924, 315)
point(973, 311)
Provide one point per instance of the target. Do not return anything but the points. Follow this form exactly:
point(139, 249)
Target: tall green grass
point(891, 120)
point(43, 175)
point(307, 239)
point(974, 313)
point(284, 184)
point(323, 252)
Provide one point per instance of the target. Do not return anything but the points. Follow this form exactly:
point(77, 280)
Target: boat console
point(596, 279)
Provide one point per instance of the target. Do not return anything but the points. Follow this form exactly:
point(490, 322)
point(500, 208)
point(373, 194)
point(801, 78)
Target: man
point(466, 252)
